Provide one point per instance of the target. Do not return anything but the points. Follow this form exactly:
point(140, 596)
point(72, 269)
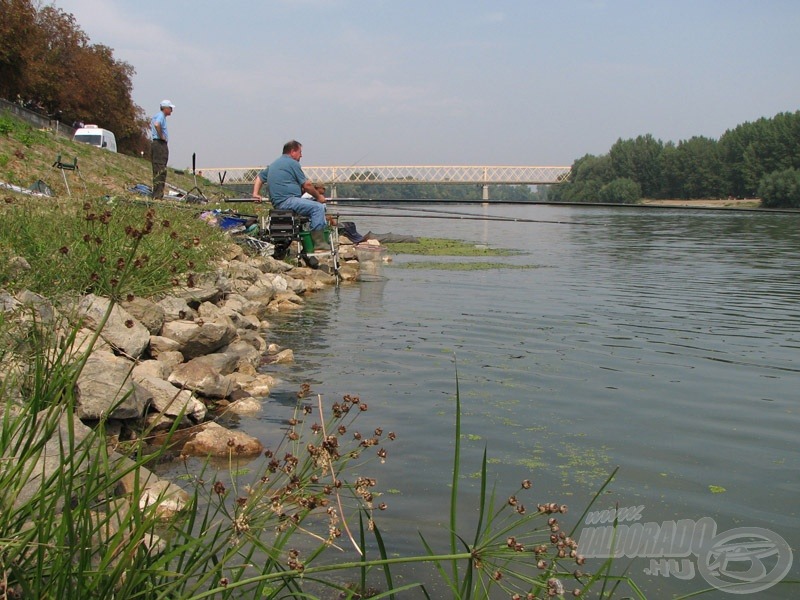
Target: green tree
point(752, 150)
point(620, 191)
point(588, 174)
point(640, 161)
point(693, 169)
point(780, 189)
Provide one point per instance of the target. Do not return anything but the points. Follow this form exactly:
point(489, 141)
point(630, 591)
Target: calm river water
point(662, 341)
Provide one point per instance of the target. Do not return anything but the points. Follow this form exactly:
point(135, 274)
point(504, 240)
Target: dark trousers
point(159, 155)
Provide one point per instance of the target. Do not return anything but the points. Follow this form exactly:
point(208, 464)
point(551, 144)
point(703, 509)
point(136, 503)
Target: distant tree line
point(759, 159)
point(452, 192)
point(47, 64)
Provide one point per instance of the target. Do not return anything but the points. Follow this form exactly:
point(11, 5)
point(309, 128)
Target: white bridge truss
point(405, 174)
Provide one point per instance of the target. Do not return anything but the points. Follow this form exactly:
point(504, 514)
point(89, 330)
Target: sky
point(447, 82)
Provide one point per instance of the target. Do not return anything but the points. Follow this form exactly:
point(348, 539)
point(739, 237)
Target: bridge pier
point(485, 192)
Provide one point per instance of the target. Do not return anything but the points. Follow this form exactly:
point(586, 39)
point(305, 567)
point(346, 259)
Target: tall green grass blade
point(387, 571)
point(454, 486)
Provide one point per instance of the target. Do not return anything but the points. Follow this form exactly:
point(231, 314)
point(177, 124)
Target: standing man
point(286, 183)
point(159, 150)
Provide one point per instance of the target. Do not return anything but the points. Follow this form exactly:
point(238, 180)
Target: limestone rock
point(211, 439)
point(105, 389)
point(148, 313)
point(122, 330)
point(198, 339)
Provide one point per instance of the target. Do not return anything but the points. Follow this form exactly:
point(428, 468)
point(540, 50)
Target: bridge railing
point(386, 174)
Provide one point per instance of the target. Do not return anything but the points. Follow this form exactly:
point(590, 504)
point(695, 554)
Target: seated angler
point(286, 184)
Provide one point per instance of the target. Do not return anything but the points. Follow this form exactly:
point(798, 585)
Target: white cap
point(167, 104)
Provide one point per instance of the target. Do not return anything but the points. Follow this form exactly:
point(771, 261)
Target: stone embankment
point(169, 362)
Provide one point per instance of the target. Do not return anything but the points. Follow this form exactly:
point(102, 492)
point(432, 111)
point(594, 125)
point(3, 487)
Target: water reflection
point(370, 297)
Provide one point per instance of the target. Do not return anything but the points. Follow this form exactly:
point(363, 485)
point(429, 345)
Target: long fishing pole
point(455, 214)
point(466, 217)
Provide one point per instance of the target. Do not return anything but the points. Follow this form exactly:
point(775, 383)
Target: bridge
point(387, 175)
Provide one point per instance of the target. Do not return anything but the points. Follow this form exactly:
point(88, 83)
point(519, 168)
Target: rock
point(245, 406)
point(8, 303)
point(146, 489)
point(171, 359)
point(63, 438)
point(160, 344)
point(240, 270)
point(211, 439)
point(282, 357)
point(198, 376)
point(105, 389)
point(18, 265)
point(172, 401)
point(153, 369)
point(148, 313)
point(198, 339)
point(176, 309)
point(257, 384)
point(197, 295)
point(45, 313)
point(121, 330)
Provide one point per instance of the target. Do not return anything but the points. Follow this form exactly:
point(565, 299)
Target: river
point(662, 341)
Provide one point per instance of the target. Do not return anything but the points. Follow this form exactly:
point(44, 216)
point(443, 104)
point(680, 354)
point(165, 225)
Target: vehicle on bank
point(96, 136)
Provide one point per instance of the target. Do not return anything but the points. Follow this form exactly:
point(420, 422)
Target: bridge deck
point(386, 174)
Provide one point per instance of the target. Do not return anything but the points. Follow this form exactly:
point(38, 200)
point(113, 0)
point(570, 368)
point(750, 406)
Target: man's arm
point(309, 188)
point(159, 129)
point(260, 180)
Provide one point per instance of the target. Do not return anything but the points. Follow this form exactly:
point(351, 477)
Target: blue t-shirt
point(284, 179)
point(162, 119)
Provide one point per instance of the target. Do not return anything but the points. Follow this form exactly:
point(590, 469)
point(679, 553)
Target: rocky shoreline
point(169, 363)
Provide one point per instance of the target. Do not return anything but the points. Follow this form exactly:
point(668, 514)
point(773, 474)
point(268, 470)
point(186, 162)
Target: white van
point(94, 135)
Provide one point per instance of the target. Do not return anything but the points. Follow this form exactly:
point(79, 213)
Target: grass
point(99, 246)
point(27, 155)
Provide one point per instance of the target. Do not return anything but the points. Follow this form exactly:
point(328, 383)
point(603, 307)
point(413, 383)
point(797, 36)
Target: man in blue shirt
point(159, 150)
point(286, 183)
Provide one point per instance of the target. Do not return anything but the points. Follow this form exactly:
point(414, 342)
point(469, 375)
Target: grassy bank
point(27, 155)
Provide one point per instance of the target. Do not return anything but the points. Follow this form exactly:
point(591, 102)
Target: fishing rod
point(466, 217)
point(456, 214)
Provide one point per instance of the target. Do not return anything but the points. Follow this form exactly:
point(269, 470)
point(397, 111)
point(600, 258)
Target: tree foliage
point(780, 189)
point(737, 165)
point(622, 190)
point(452, 192)
point(47, 61)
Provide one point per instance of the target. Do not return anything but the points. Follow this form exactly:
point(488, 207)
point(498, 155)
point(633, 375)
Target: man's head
point(293, 149)
point(166, 107)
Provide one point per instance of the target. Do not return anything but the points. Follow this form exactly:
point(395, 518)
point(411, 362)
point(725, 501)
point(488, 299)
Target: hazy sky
point(454, 82)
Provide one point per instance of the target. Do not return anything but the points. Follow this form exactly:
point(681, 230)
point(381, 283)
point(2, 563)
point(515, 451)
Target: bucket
point(370, 262)
point(305, 239)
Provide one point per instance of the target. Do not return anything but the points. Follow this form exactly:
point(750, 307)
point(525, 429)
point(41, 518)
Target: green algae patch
point(445, 247)
point(459, 266)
